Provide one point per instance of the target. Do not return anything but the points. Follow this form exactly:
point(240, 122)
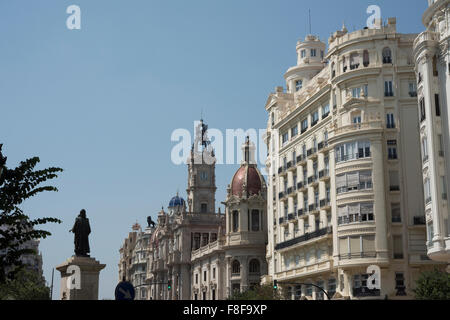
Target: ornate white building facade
point(432, 57)
point(236, 261)
point(194, 252)
point(345, 187)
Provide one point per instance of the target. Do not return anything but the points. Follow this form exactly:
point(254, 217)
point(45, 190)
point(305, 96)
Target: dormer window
point(303, 53)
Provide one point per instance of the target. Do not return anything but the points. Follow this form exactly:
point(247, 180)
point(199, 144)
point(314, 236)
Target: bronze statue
point(81, 229)
point(150, 222)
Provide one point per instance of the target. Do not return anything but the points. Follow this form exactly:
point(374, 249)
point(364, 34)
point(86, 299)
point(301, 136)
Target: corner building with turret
point(345, 187)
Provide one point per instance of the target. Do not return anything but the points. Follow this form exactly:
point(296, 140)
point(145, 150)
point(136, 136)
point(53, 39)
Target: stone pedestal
point(79, 278)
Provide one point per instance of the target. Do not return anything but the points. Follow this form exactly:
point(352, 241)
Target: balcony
point(324, 203)
point(323, 174)
point(291, 216)
point(359, 255)
point(388, 93)
point(361, 186)
point(313, 207)
point(325, 115)
point(300, 159)
point(300, 212)
point(394, 188)
point(314, 122)
point(289, 190)
point(304, 238)
point(413, 94)
point(281, 220)
point(281, 195)
point(419, 220)
point(312, 179)
point(426, 36)
point(354, 66)
point(303, 130)
point(300, 186)
point(359, 126)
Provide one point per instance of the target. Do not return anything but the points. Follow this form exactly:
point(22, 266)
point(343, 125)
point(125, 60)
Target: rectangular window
point(400, 284)
point(365, 89)
point(303, 53)
point(427, 189)
point(255, 220)
point(356, 92)
point(390, 122)
point(444, 188)
point(392, 149)
point(204, 208)
point(325, 110)
point(424, 149)
point(285, 137)
point(422, 109)
point(388, 91)
point(394, 182)
point(314, 118)
point(436, 103)
point(294, 131)
point(313, 52)
point(441, 145)
point(398, 247)
point(304, 125)
point(412, 89)
point(298, 85)
point(395, 212)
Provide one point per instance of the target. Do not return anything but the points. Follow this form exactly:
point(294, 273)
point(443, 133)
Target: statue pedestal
point(79, 278)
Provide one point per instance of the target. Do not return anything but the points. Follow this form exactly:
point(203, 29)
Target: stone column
point(244, 274)
point(379, 186)
point(79, 278)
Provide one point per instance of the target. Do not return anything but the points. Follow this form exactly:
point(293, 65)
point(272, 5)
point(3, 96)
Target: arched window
point(387, 55)
point(254, 266)
point(235, 221)
point(255, 220)
point(366, 59)
point(236, 267)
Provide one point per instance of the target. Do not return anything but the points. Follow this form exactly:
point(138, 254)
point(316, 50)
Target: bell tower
point(201, 173)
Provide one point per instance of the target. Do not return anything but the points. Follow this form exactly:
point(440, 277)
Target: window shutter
point(365, 176)
point(342, 211)
point(343, 246)
point(366, 208)
point(352, 179)
point(355, 244)
point(341, 181)
point(368, 244)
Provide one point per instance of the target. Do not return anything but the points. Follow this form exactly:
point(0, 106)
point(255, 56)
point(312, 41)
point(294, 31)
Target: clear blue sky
point(102, 102)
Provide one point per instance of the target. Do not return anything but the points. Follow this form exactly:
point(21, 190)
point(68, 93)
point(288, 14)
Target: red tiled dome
point(248, 175)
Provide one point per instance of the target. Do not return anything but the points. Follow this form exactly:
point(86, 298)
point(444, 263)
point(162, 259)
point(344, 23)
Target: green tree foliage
point(433, 285)
point(26, 285)
point(264, 292)
point(16, 228)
